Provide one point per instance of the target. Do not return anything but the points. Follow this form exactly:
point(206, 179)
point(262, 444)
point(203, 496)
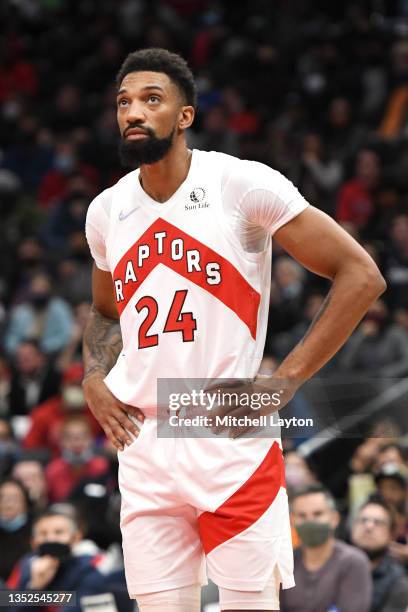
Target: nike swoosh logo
point(123, 216)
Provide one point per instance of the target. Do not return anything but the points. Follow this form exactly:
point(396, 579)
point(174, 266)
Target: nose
point(135, 113)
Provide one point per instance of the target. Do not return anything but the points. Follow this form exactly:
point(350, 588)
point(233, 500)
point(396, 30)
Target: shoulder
point(100, 207)
point(243, 174)
point(350, 556)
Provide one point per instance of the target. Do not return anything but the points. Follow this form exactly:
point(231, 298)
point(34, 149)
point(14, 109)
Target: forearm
point(101, 345)
point(351, 295)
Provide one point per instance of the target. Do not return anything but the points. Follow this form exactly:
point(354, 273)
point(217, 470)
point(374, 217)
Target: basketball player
point(182, 250)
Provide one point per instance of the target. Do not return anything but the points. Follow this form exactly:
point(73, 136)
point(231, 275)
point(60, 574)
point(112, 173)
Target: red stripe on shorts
point(246, 505)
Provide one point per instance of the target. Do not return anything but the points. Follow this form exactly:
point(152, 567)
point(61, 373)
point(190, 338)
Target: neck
point(162, 179)
point(315, 558)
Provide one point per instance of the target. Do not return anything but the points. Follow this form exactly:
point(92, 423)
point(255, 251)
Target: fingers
point(119, 427)
point(117, 443)
point(135, 412)
point(127, 423)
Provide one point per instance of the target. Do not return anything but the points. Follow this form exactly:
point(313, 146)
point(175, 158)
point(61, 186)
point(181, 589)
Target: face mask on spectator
point(73, 397)
point(58, 550)
point(64, 163)
point(77, 458)
point(39, 300)
point(13, 524)
point(313, 533)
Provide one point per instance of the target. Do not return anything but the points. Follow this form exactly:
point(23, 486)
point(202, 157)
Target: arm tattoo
point(322, 310)
point(102, 343)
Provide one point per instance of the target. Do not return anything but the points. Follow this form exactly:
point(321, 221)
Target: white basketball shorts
point(198, 507)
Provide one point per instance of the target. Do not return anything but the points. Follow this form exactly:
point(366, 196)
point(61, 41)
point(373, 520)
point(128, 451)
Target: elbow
point(374, 283)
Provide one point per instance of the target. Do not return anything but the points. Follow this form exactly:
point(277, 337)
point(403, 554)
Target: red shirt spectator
point(54, 185)
point(355, 203)
point(77, 463)
point(47, 418)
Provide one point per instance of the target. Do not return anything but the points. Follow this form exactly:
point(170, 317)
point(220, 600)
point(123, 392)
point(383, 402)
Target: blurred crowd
point(316, 90)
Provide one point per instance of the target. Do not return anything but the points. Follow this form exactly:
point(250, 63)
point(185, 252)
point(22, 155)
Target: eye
point(153, 99)
point(122, 102)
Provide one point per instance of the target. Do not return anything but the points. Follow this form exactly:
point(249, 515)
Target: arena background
point(316, 90)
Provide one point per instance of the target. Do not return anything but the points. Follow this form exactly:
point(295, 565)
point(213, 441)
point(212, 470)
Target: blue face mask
point(13, 524)
point(64, 163)
point(77, 459)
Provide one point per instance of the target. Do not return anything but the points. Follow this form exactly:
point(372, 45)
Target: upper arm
point(96, 229)
point(103, 293)
point(319, 244)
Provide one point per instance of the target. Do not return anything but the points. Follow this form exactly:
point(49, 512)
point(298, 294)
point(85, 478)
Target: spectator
point(30, 472)
point(286, 295)
point(396, 262)
point(9, 448)
point(342, 135)
point(392, 485)
point(329, 574)
point(30, 157)
point(298, 473)
point(215, 137)
point(44, 318)
point(55, 184)
point(390, 453)
point(15, 525)
point(356, 198)
point(74, 273)
point(52, 566)
point(4, 386)
point(284, 342)
point(30, 261)
point(373, 533)
point(77, 463)
point(34, 379)
point(48, 417)
point(376, 349)
point(73, 351)
point(317, 176)
point(66, 218)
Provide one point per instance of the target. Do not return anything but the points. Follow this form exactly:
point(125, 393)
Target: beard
point(134, 153)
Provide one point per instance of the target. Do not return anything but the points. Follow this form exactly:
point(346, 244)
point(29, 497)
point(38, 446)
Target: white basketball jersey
point(193, 302)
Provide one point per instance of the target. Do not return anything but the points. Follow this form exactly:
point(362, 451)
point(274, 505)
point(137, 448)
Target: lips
point(135, 133)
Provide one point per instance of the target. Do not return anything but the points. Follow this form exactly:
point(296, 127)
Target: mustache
point(134, 126)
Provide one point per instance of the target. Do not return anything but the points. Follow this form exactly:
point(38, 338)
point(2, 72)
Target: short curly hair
point(161, 60)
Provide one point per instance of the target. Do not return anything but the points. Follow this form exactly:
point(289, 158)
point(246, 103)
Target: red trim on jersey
point(234, 291)
point(246, 505)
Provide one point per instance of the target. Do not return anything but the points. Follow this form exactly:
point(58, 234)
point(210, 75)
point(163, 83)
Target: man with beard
point(373, 531)
point(182, 250)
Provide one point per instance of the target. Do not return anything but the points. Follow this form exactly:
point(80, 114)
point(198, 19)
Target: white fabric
point(228, 209)
point(267, 599)
point(257, 201)
point(166, 484)
point(184, 599)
